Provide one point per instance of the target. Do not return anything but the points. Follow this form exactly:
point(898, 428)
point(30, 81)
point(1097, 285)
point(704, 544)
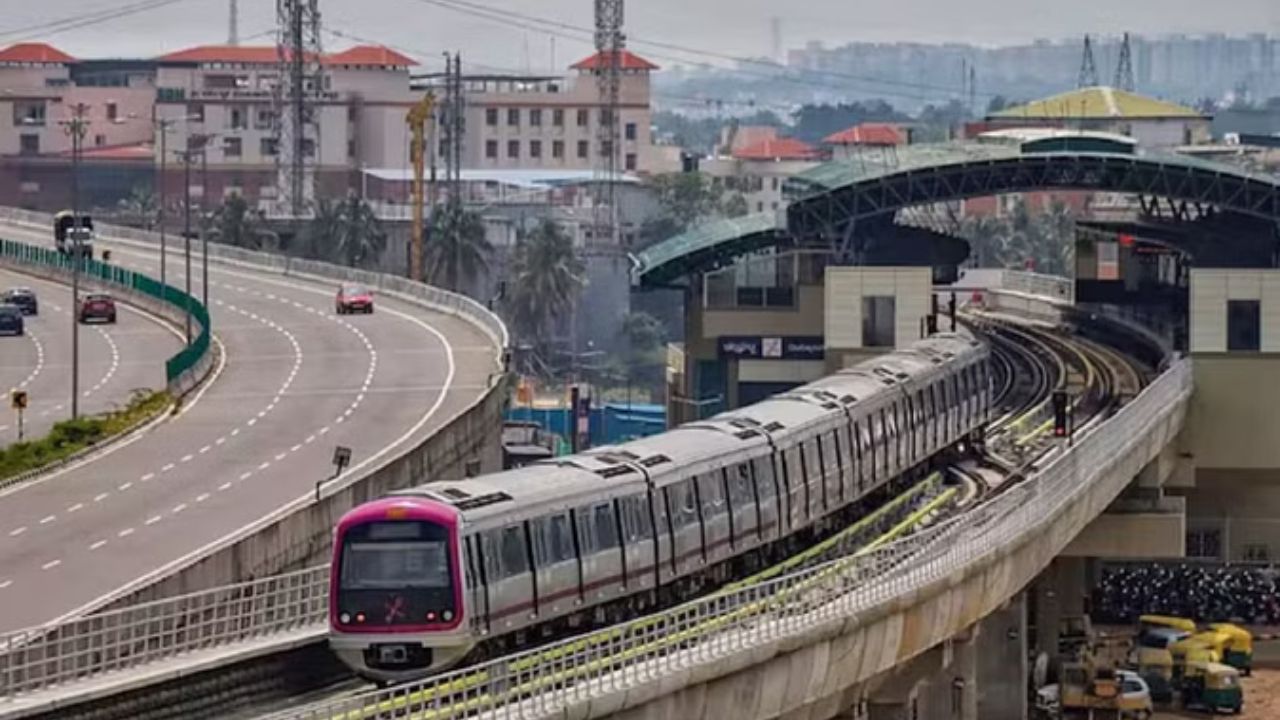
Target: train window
point(514, 560)
point(740, 486)
point(684, 510)
point(561, 538)
point(711, 492)
point(635, 519)
point(472, 571)
point(606, 535)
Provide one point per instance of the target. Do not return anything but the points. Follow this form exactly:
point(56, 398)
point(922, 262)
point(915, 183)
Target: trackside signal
point(1060, 417)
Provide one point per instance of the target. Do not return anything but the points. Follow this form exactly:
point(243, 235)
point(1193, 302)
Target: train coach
point(448, 571)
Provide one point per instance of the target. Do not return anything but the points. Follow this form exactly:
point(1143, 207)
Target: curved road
point(297, 381)
point(115, 360)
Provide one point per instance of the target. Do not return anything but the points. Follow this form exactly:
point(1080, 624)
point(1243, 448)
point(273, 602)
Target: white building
point(756, 162)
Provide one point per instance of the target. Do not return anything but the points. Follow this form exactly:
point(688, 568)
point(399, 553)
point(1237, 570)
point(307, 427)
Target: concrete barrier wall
point(825, 670)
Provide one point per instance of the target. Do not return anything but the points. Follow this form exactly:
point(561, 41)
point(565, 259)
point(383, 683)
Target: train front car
point(397, 610)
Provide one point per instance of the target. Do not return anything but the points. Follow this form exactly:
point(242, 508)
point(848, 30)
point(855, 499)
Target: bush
point(71, 436)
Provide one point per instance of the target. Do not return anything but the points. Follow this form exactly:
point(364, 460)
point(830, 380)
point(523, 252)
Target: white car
point(1132, 688)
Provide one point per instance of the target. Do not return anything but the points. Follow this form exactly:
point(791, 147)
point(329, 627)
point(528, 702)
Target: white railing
point(56, 655)
point(1047, 286)
point(546, 682)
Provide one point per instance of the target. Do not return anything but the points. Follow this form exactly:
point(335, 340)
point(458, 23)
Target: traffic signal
point(1060, 417)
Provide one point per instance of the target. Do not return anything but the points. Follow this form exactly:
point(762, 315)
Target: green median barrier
point(116, 276)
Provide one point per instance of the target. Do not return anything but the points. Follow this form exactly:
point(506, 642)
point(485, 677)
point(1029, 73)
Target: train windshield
point(385, 555)
point(375, 566)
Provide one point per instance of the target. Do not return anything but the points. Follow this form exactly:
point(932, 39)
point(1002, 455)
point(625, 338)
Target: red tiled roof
point(34, 53)
point(370, 55)
point(244, 54)
point(868, 134)
point(627, 61)
point(778, 149)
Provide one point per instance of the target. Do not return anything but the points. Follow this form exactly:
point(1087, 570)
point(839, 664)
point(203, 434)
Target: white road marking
point(97, 545)
point(202, 497)
point(147, 477)
point(48, 519)
point(126, 532)
point(179, 508)
point(168, 467)
point(51, 565)
point(5, 584)
point(153, 520)
point(125, 486)
point(281, 456)
point(264, 466)
point(75, 508)
point(100, 497)
point(19, 531)
point(246, 476)
point(187, 458)
point(224, 486)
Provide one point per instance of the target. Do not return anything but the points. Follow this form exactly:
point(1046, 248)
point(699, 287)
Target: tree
point(457, 248)
point(815, 122)
point(346, 231)
point(688, 198)
point(235, 223)
point(997, 103)
point(142, 205)
point(644, 339)
point(546, 278)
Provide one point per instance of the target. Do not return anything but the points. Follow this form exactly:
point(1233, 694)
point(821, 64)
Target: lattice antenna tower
point(610, 42)
point(1124, 70)
point(300, 86)
point(1088, 68)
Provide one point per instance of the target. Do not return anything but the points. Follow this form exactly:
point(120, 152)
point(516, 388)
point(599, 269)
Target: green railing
point(113, 275)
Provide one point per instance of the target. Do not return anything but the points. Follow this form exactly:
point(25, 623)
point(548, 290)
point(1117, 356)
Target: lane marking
point(147, 477)
point(48, 519)
point(51, 565)
point(126, 532)
point(19, 531)
point(224, 486)
point(125, 486)
point(97, 545)
point(75, 508)
point(5, 584)
point(202, 497)
point(178, 508)
point(100, 497)
point(153, 520)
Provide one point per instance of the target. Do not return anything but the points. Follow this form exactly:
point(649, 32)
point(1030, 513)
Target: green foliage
point(235, 223)
point(547, 276)
point(687, 199)
point(346, 231)
point(71, 436)
point(456, 249)
point(815, 122)
point(700, 135)
point(1042, 241)
point(142, 206)
point(644, 358)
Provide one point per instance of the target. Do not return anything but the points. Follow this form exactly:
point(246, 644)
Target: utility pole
point(204, 220)
point(1124, 70)
point(417, 119)
point(188, 156)
point(77, 126)
point(301, 84)
point(162, 129)
point(1088, 68)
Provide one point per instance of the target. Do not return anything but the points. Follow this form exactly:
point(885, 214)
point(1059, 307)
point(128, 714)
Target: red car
point(354, 299)
point(98, 307)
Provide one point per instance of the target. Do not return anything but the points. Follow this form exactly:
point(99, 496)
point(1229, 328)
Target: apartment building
point(223, 95)
point(756, 161)
point(553, 122)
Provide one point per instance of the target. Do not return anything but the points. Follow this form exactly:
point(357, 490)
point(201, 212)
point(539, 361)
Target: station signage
point(739, 347)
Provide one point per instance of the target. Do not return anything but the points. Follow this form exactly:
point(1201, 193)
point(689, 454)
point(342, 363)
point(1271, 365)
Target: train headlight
point(344, 618)
point(447, 615)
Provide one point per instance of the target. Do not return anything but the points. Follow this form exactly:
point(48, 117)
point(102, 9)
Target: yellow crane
point(417, 118)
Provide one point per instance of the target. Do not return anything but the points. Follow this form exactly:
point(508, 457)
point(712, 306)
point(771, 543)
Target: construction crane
point(417, 118)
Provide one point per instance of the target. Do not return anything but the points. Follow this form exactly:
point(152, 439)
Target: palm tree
point(547, 277)
point(347, 231)
point(235, 223)
point(457, 248)
point(142, 205)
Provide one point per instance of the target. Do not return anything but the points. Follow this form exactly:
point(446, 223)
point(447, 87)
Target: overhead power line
point(88, 19)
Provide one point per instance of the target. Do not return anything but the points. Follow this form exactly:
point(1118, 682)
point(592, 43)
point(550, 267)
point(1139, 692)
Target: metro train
point(448, 571)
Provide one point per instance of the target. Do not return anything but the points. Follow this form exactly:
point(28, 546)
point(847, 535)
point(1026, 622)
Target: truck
point(73, 234)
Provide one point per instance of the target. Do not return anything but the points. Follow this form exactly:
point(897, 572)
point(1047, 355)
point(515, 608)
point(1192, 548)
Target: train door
point(792, 473)
point(638, 541)
point(769, 498)
point(715, 516)
point(602, 560)
point(512, 593)
point(556, 563)
point(686, 530)
point(746, 511)
point(819, 501)
point(663, 534)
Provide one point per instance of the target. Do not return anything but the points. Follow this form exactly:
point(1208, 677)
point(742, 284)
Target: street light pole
point(163, 126)
point(186, 231)
point(76, 127)
point(204, 221)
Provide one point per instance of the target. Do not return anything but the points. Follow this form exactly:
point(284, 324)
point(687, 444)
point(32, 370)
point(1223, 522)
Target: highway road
point(297, 380)
point(115, 360)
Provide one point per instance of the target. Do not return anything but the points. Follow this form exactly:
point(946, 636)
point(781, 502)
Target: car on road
point(97, 306)
point(354, 299)
point(24, 298)
point(11, 322)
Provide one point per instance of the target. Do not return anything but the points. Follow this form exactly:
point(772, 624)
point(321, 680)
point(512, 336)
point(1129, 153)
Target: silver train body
point(597, 537)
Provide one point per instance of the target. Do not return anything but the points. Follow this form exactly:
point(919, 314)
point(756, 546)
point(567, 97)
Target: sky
point(425, 29)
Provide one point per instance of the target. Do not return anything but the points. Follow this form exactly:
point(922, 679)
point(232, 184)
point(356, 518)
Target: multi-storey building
point(755, 162)
point(552, 122)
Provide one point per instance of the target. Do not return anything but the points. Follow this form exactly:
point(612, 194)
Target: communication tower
point(300, 86)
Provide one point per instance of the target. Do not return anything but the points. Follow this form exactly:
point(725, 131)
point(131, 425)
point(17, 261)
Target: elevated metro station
point(866, 258)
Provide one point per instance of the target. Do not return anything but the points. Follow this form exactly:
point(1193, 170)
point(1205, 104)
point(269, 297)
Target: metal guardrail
point(55, 655)
point(716, 628)
point(1049, 286)
point(113, 275)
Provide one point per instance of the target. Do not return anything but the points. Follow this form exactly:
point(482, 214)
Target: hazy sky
point(735, 27)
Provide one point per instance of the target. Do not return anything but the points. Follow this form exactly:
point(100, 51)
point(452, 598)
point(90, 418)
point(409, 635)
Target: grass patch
point(71, 436)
